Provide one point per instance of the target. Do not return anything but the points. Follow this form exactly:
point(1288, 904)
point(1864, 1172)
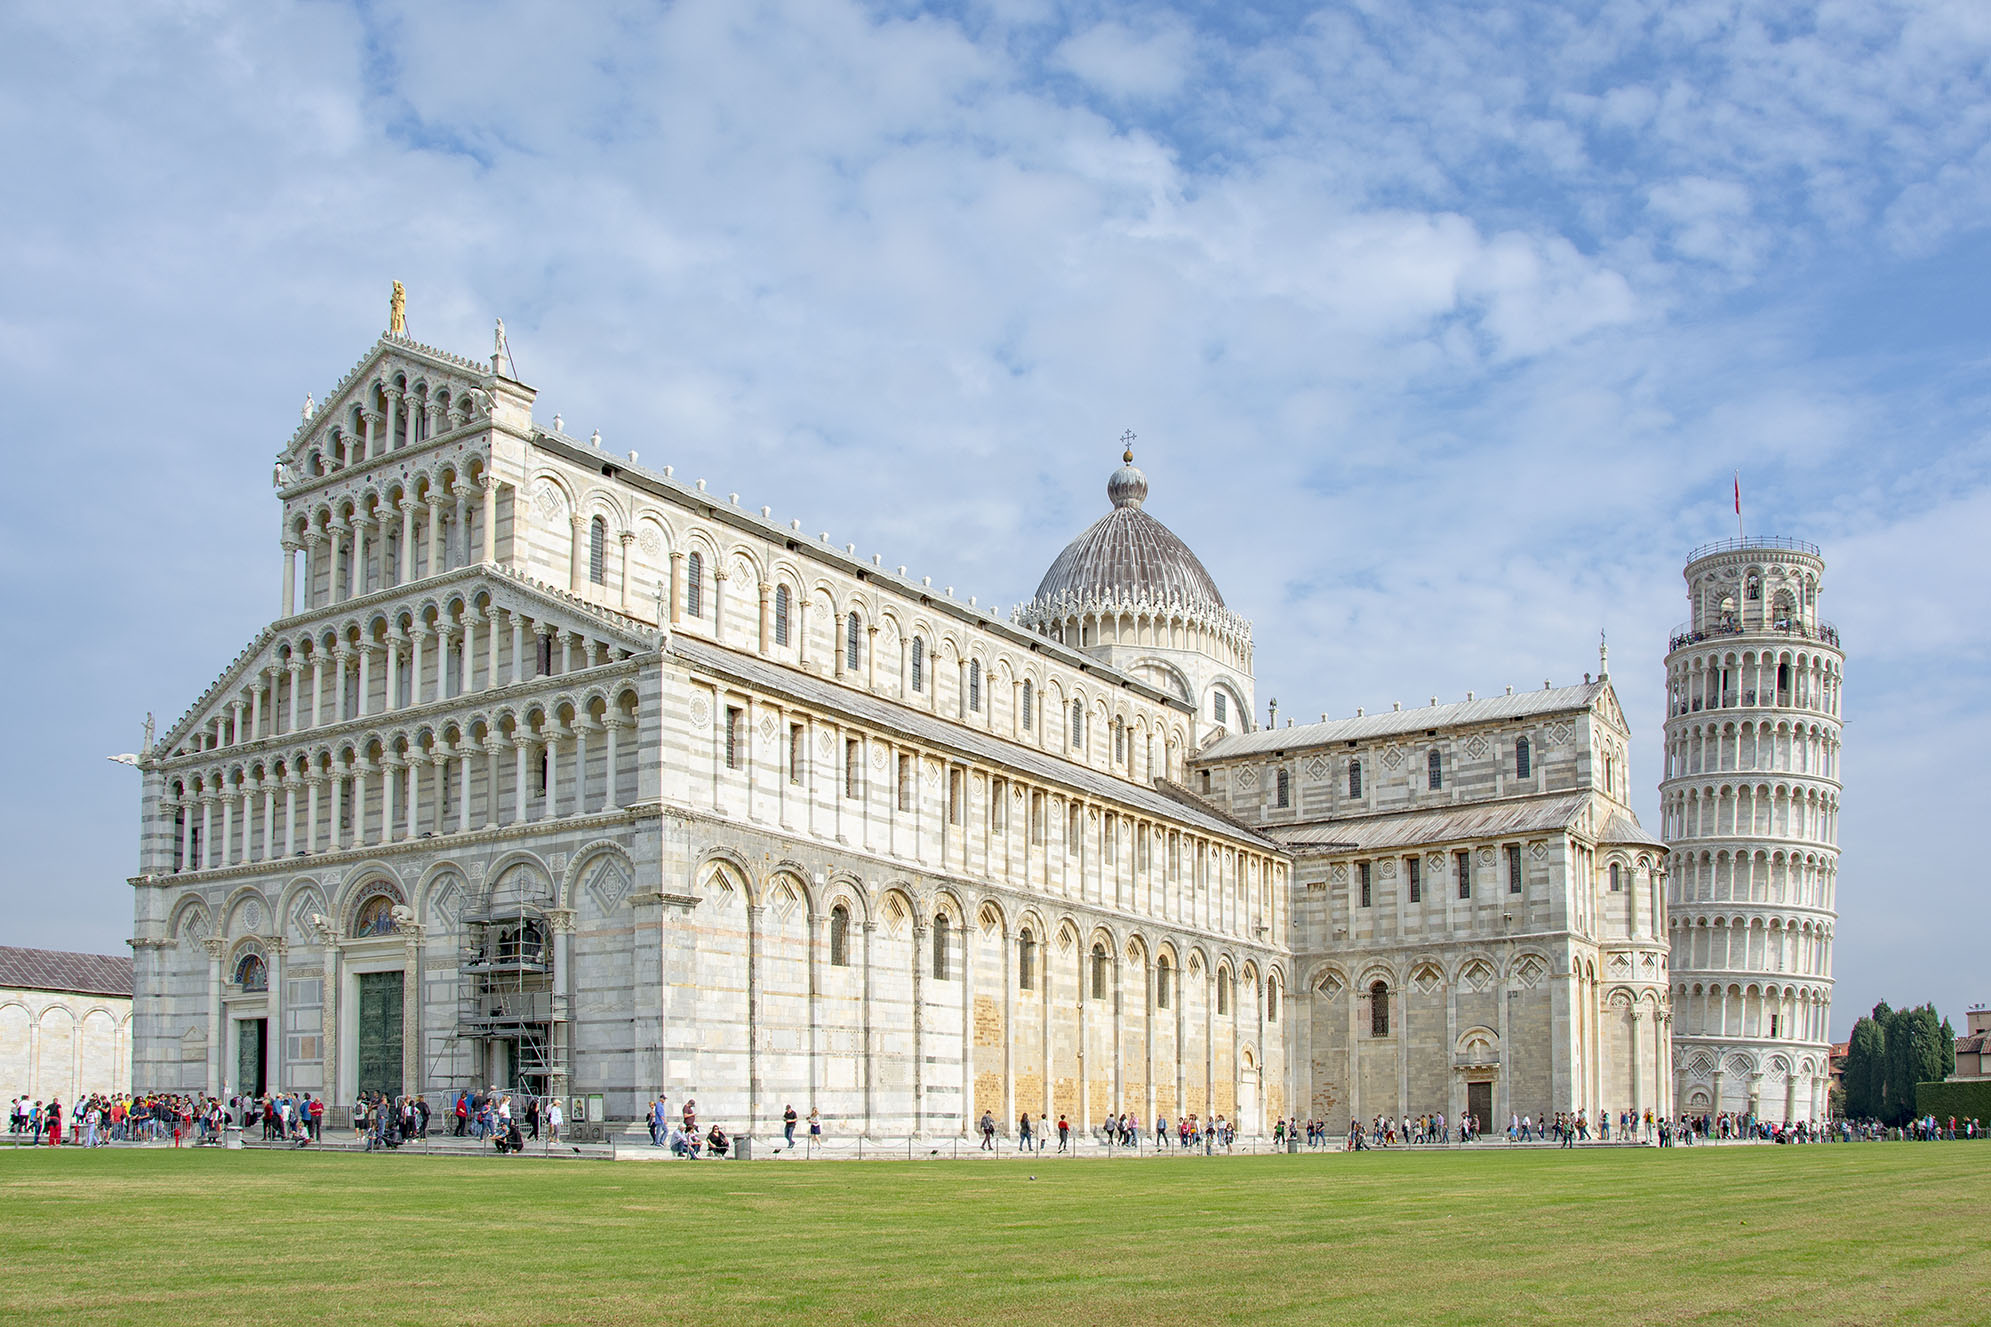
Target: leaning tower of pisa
point(1750, 805)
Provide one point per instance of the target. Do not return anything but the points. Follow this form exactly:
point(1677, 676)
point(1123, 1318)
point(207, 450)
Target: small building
point(65, 1023)
point(1973, 1048)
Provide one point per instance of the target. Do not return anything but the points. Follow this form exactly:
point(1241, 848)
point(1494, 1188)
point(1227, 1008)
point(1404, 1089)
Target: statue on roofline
point(397, 312)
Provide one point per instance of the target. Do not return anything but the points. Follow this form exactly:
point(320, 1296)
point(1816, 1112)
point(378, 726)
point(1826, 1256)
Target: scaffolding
point(509, 1011)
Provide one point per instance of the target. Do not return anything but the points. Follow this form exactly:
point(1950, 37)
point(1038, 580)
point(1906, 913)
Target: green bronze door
point(380, 1032)
point(250, 1045)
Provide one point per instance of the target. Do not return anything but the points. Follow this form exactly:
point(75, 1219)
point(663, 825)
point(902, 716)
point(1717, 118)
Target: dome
point(1128, 554)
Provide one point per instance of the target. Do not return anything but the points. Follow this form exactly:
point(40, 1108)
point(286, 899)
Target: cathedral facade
point(560, 774)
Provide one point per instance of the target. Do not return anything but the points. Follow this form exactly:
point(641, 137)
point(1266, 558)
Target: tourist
point(815, 1126)
point(553, 1120)
point(1064, 1133)
point(1023, 1132)
point(788, 1118)
point(987, 1126)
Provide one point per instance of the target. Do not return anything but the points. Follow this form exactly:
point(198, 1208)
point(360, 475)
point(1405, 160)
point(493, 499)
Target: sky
point(1443, 329)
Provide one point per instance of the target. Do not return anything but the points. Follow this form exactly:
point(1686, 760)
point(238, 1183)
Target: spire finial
point(1127, 441)
point(1603, 656)
point(397, 311)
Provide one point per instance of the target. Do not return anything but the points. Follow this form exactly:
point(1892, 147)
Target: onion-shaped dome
point(1129, 556)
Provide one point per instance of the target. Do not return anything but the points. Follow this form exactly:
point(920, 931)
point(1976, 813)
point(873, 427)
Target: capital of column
point(290, 545)
point(560, 920)
point(372, 416)
point(627, 537)
point(215, 947)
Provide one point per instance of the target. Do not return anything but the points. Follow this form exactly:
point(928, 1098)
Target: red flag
point(1738, 492)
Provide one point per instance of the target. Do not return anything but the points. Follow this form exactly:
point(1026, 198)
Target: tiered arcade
point(1750, 805)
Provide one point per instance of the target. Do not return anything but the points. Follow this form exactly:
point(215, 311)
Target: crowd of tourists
point(102, 1118)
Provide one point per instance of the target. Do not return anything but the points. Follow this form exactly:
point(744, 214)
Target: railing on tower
point(1687, 634)
point(1765, 542)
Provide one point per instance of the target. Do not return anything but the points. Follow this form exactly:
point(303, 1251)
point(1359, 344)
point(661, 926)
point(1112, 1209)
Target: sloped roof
point(60, 970)
point(1492, 709)
point(940, 734)
point(1624, 828)
point(1411, 829)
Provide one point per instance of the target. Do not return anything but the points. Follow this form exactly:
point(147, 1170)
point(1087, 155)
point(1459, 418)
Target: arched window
point(252, 974)
point(598, 551)
point(941, 926)
point(1224, 993)
point(975, 685)
point(1434, 770)
point(919, 663)
point(694, 585)
point(1521, 761)
point(1221, 710)
point(781, 615)
point(1354, 778)
point(1026, 961)
point(1029, 705)
point(1379, 1010)
point(1163, 976)
point(1271, 1000)
point(1078, 724)
point(1754, 590)
point(1099, 972)
point(1285, 785)
point(1617, 881)
point(376, 917)
point(1119, 742)
point(839, 936)
point(853, 644)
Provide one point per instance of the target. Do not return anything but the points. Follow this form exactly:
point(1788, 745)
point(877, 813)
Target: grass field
point(1877, 1233)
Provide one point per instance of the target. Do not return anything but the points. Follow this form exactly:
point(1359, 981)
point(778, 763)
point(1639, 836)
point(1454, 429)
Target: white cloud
point(1442, 327)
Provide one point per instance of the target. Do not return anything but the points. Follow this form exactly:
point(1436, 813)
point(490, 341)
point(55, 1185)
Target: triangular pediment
point(430, 599)
point(447, 390)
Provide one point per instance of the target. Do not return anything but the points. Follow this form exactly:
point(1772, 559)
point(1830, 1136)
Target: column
point(355, 563)
point(802, 630)
point(273, 1065)
point(404, 562)
point(522, 744)
point(518, 645)
point(766, 600)
point(290, 814)
point(411, 823)
point(394, 641)
point(1638, 1086)
point(296, 671)
point(361, 768)
point(269, 786)
point(446, 646)
point(374, 419)
point(332, 835)
point(609, 802)
point(581, 725)
point(411, 1009)
point(215, 1050)
point(340, 654)
point(439, 762)
point(489, 484)
point(493, 748)
point(920, 954)
point(317, 666)
point(289, 577)
point(312, 783)
point(677, 582)
point(417, 633)
point(366, 649)
point(227, 855)
point(434, 505)
point(314, 540)
point(624, 580)
point(463, 798)
point(551, 809)
point(256, 705)
point(187, 833)
point(460, 534)
point(488, 619)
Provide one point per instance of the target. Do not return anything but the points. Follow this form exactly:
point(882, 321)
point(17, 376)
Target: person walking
point(815, 1127)
point(788, 1118)
point(1064, 1133)
point(1023, 1132)
point(988, 1132)
point(553, 1120)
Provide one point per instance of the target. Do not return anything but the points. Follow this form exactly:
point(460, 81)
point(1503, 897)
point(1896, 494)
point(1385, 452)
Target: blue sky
point(1442, 327)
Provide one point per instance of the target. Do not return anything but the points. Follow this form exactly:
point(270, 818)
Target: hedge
point(1971, 1100)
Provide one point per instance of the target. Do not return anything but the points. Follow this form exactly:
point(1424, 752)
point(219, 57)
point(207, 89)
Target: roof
point(1493, 709)
point(60, 970)
point(939, 733)
point(1412, 829)
point(1623, 827)
point(1127, 552)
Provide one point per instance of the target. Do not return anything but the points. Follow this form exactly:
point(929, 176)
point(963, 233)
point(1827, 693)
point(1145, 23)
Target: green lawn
point(1854, 1234)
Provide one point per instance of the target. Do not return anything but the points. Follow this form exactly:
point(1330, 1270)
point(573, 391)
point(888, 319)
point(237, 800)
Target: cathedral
point(560, 774)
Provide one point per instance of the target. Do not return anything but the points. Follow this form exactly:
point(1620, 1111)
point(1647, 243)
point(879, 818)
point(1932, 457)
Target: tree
point(1913, 1055)
point(1948, 1052)
point(1866, 1068)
